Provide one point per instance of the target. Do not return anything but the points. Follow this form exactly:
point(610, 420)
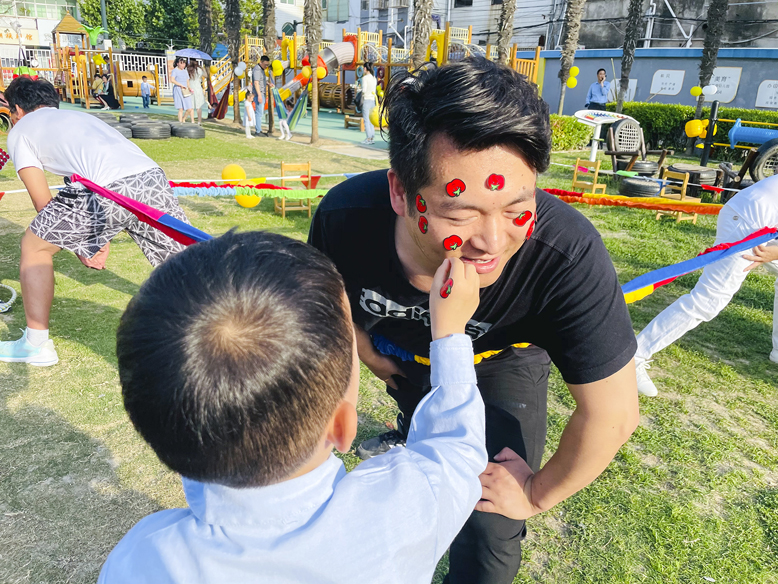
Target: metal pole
point(714, 114)
point(102, 14)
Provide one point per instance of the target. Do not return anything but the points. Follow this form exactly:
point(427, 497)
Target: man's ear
point(397, 194)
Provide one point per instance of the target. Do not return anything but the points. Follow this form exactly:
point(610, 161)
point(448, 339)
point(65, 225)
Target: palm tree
point(232, 22)
point(631, 36)
point(422, 24)
point(572, 28)
point(505, 30)
point(270, 37)
point(313, 38)
point(205, 25)
point(717, 16)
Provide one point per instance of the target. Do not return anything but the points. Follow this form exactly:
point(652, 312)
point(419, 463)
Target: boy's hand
point(507, 487)
point(454, 296)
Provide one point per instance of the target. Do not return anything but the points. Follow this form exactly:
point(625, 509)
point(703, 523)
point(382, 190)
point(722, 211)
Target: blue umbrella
point(193, 54)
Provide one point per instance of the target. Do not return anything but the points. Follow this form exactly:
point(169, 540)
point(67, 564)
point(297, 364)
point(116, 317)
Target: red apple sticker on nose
point(495, 182)
point(445, 291)
point(421, 204)
point(452, 242)
point(423, 224)
point(455, 188)
point(522, 219)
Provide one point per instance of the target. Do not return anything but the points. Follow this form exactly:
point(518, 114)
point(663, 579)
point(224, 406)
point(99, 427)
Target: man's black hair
point(234, 355)
point(30, 94)
point(476, 103)
point(601, 69)
point(264, 59)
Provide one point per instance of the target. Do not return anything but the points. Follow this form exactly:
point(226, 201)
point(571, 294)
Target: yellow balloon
point(574, 71)
point(248, 201)
point(693, 128)
point(572, 82)
point(214, 69)
point(278, 68)
point(321, 72)
point(306, 71)
point(232, 173)
point(242, 75)
point(696, 91)
point(379, 91)
point(374, 113)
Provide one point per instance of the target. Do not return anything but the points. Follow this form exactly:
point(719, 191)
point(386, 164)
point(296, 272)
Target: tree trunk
point(505, 30)
point(717, 16)
point(205, 25)
point(572, 26)
point(313, 38)
point(631, 36)
point(232, 22)
point(269, 26)
point(422, 25)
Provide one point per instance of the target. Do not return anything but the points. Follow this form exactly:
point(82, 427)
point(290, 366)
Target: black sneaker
point(384, 442)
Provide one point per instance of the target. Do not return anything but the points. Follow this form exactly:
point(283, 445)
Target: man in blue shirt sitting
point(598, 92)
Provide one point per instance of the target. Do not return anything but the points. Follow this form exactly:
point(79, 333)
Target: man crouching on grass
point(64, 143)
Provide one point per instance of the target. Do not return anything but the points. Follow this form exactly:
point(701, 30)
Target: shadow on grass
point(62, 505)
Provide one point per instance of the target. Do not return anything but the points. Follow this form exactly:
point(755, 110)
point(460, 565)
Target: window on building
point(337, 11)
point(50, 9)
point(365, 4)
point(323, 5)
point(462, 3)
point(292, 2)
point(496, 2)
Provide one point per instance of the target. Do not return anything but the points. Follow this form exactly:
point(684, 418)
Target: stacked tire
point(638, 187)
point(151, 131)
point(191, 131)
point(698, 175)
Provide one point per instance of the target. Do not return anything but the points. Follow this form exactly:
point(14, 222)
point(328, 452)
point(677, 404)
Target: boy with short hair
point(239, 367)
point(145, 91)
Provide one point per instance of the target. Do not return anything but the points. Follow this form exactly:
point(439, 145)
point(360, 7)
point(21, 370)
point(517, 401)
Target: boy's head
point(25, 95)
point(237, 360)
point(143, 77)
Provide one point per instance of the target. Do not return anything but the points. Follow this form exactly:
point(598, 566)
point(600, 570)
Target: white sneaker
point(645, 385)
point(774, 356)
point(21, 351)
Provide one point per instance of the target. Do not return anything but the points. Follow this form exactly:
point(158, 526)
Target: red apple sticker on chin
point(495, 182)
point(452, 243)
point(421, 204)
point(423, 225)
point(455, 188)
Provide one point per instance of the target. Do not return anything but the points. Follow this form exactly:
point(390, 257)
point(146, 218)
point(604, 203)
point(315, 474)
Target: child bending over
point(239, 367)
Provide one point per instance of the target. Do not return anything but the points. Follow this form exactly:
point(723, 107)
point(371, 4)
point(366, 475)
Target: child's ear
point(343, 426)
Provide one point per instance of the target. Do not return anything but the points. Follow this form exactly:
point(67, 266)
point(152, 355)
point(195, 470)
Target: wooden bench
point(351, 121)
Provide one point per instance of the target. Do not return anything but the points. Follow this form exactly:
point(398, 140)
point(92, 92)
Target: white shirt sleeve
point(22, 152)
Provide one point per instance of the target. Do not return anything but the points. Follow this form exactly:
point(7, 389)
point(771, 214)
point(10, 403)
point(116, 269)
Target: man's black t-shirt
point(559, 292)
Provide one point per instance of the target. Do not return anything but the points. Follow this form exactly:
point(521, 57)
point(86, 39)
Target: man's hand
point(454, 297)
point(97, 261)
point(381, 365)
point(762, 254)
point(507, 487)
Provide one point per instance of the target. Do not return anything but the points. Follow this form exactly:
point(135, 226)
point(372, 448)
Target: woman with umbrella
point(182, 93)
point(198, 95)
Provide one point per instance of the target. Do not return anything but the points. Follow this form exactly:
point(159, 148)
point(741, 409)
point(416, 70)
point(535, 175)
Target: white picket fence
point(136, 62)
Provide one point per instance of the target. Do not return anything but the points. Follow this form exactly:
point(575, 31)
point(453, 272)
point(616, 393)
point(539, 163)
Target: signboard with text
point(667, 82)
point(767, 94)
point(726, 80)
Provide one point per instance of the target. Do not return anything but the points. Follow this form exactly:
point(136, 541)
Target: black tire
point(642, 167)
point(766, 163)
point(706, 176)
point(124, 131)
point(151, 131)
point(132, 117)
point(638, 187)
point(104, 116)
point(188, 131)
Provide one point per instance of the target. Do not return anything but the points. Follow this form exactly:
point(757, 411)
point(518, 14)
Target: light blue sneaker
point(22, 351)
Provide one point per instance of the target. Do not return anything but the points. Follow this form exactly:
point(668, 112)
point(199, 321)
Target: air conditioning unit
point(382, 4)
point(399, 3)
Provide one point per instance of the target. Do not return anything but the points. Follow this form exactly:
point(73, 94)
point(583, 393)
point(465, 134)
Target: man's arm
point(589, 96)
point(35, 182)
point(605, 416)
point(381, 365)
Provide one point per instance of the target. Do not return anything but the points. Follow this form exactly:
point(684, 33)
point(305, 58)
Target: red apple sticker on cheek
point(445, 291)
point(522, 219)
point(423, 224)
point(531, 229)
point(455, 188)
point(421, 204)
point(452, 243)
point(495, 182)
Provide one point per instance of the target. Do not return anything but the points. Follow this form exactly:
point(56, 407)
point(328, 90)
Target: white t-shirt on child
point(66, 142)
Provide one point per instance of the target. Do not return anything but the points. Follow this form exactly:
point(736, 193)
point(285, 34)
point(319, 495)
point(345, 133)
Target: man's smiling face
point(479, 206)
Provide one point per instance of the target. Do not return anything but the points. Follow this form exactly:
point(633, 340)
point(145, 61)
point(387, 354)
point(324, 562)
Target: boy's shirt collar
point(285, 502)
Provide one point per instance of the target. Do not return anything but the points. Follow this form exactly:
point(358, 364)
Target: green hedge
point(663, 124)
point(569, 134)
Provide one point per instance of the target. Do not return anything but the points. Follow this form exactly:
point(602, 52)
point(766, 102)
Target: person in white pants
point(748, 211)
point(250, 113)
point(369, 86)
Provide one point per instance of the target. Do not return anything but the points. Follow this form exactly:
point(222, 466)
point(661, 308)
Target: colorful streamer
point(644, 285)
point(650, 203)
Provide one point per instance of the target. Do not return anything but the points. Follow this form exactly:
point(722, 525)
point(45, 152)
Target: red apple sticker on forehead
point(495, 182)
point(421, 204)
point(452, 243)
point(455, 188)
point(522, 219)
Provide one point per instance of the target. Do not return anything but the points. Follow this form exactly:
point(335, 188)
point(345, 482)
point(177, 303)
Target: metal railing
point(137, 62)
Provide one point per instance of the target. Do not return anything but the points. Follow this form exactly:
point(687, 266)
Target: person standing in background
point(198, 95)
point(368, 101)
point(250, 113)
point(260, 89)
point(145, 92)
point(182, 94)
point(597, 96)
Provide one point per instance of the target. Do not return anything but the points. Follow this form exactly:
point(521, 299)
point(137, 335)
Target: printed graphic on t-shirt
point(375, 304)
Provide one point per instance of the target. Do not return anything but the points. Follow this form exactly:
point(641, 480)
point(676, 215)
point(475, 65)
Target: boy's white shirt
point(389, 520)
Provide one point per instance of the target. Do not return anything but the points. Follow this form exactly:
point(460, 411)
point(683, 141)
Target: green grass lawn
point(693, 495)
